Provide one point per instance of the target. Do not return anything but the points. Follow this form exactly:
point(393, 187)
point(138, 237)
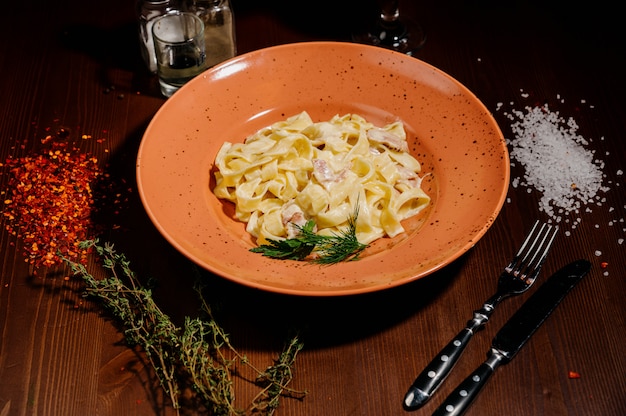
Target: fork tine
point(515, 261)
point(523, 247)
point(535, 247)
point(540, 256)
point(529, 259)
point(533, 251)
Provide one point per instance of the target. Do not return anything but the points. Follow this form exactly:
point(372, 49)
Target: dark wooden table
point(75, 64)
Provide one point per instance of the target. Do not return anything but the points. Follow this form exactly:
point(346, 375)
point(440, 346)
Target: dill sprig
point(198, 358)
point(340, 247)
point(319, 249)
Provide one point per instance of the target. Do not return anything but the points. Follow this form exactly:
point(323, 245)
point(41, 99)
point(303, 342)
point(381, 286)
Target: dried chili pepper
point(50, 202)
point(573, 374)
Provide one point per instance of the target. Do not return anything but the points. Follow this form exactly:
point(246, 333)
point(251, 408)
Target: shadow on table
point(321, 321)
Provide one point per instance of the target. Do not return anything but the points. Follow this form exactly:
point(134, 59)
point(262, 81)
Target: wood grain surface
point(75, 65)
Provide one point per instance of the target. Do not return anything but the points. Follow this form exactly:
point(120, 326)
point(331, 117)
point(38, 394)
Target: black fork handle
point(438, 369)
point(460, 399)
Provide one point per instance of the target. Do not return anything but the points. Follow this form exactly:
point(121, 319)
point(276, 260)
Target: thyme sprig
point(197, 358)
point(319, 249)
point(275, 379)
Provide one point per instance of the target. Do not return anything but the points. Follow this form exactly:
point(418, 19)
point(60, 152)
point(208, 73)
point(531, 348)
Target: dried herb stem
point(197, 357)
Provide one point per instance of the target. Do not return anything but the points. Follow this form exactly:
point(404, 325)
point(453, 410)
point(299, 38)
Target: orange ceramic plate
point(450, 132)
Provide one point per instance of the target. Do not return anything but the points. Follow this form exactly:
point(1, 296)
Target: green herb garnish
point(329, 249)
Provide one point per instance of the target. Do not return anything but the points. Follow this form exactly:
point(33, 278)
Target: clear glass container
point(147, 11)
point(219, 28)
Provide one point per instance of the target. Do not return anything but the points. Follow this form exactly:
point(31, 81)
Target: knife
point(514, 334)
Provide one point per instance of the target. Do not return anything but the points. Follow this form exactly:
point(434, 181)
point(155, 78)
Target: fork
point(517, 277)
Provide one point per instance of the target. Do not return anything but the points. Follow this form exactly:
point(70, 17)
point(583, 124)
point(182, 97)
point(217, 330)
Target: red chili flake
point(604, 264)
point(50, 202)
point(573, 374)
point(63, 132)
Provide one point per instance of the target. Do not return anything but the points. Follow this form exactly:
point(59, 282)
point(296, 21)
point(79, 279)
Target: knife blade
point(514, 334)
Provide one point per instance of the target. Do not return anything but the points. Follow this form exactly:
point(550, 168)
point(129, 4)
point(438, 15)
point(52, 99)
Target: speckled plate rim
point(450, 131)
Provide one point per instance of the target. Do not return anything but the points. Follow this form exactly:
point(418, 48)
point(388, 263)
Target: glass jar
point(219, 29)
point(147, 11)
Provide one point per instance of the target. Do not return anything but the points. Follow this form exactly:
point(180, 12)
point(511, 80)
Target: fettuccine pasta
point(296, 170)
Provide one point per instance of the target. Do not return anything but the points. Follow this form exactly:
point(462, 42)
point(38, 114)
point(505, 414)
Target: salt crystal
point(555, 161)
point(598, 253)
point(557, 164)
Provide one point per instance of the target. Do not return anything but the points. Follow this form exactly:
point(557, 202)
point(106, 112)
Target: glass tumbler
point(180, 50)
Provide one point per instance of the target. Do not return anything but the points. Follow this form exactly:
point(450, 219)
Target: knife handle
point(459, 400)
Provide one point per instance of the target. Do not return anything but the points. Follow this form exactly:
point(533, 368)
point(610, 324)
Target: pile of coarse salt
point(556, 163)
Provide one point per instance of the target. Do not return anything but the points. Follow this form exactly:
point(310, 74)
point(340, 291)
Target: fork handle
point(438, 369)
point(459, 400)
